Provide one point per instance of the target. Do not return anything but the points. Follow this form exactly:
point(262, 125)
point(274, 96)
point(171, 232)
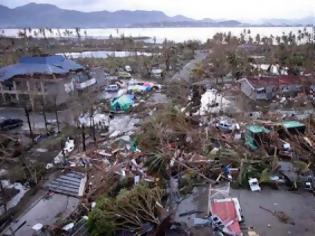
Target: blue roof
point(39, 65)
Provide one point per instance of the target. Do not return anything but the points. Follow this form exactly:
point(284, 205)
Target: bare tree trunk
point(93, 130)
point(92, 122)
point(45, 117)
point(57, 117)
point(29, 122)
point(83, 137)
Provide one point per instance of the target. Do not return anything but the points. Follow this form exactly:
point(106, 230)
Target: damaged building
point(49, 79)
point(267, 87)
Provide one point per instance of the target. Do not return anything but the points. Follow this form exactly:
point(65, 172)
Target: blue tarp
point(39, 65)
point(122, 103)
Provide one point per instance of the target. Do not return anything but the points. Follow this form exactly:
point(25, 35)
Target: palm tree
point(258, 39)
point(77, 31)
point(278, 39)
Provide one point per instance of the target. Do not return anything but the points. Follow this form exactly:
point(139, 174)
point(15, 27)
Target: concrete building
point(267, 87)
point(48, 79)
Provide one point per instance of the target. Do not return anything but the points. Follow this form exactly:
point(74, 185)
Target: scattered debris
point(280, 215)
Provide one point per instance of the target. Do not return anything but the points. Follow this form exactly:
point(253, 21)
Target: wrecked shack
point(255, 135)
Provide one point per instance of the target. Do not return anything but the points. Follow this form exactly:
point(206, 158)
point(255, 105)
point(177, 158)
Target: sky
point(197, 9)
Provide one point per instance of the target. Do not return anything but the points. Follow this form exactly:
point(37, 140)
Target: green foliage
point(157, 164)
point(249, 169)
point(100, 223)
point(187, 182)
point(162, 128)
point(17, 174)
point(301, 166)
point(265, 176)
point(128, 211)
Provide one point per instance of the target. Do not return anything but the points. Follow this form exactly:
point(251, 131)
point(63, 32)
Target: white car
point(128, 69)
point(254, 184)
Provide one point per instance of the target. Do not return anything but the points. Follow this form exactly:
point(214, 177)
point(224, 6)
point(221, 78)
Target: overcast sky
point(216, 9)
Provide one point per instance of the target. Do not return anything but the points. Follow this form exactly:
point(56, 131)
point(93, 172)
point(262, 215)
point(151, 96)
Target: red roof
point(279, 80)
point(227, 212)
point(289, 79)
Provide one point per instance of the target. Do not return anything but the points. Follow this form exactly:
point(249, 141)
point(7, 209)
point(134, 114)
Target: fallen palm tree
point(129, 211)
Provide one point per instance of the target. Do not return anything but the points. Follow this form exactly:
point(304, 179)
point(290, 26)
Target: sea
point(158, 35)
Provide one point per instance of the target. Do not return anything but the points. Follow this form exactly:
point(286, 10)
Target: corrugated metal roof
point(39, 65)
point(71, 184)
point(257, 129)
point(292, 124)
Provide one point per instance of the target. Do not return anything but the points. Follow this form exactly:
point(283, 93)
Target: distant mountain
point(195, 23)
point(310, 20)
point(46, 15)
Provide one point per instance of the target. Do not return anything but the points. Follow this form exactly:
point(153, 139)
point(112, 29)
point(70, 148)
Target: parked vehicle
point(128, 69)
point(225, 126)
point(9, 124)
point(124, 75)
point(254, 184)
point(112, 88)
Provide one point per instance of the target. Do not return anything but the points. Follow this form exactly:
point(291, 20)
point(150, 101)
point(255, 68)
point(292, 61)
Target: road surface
point(36, 118)
point(184, 73)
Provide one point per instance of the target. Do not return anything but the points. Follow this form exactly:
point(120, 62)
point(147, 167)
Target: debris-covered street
point(191, 138)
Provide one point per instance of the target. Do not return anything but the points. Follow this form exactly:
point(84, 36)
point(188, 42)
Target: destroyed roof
point(279, 80)
point(257, 129)
point(292, 124)
point(47, 65)
point(225, 209)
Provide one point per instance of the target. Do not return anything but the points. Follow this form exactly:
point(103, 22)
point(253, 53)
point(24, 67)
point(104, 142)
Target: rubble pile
point(137, 158)
point(170, 145)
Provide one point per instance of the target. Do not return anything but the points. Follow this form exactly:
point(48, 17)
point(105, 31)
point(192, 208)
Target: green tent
point(122, 103)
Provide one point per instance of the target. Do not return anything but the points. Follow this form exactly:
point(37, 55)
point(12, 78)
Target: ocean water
point(103, 54)
point(159, 34)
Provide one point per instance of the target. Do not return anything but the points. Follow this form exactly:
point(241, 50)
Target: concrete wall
point(248, 90)
point(257, 94)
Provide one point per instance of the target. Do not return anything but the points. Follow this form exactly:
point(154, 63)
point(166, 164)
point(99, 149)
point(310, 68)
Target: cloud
point(216, 9)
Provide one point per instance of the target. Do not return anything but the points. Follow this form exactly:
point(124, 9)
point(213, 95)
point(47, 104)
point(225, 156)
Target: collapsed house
point(226, 212)
point(62, 198)
point(267, 87)
point(50, 78)
point(271, 69)
point(255, 135)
